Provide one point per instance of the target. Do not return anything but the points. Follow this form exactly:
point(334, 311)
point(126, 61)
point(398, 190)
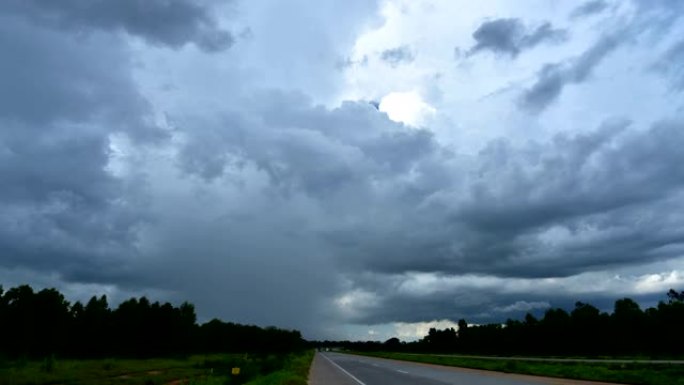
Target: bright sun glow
point(406, 107)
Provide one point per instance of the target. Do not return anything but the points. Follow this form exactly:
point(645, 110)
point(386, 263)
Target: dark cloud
point(308, 150)
point(170, 23)
point(549, 85)
point(671, 65)
point(61, 98)
point(52, 77)
point(589, 8)
point(511, 36)
point(553, 78)
point(594, 187)
point(389, 200)
point(398, 55)
point(264, 206)
point(62, 213)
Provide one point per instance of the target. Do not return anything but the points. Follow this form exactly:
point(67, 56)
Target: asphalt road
point(346, 369)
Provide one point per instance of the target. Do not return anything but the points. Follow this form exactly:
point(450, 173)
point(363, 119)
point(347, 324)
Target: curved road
point(347, 369)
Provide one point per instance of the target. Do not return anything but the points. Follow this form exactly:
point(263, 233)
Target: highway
point(558, 359)
point(346, 369)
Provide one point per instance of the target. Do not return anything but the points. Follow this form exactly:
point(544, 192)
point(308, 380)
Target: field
point(193, 370)
point(623, 373)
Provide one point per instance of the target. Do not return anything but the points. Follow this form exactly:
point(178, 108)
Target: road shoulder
point(323, 372)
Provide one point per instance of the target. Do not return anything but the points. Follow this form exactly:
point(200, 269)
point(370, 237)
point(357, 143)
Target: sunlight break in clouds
point(406, 107)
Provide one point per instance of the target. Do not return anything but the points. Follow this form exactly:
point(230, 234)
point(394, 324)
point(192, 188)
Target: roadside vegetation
point(622, 373)
point(295, 372)
point(45, 340)
point(194, 370)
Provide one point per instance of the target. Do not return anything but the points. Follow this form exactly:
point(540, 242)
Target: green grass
point(194, 370)
point(295, 372)
point(99, 372)
point(629, 373)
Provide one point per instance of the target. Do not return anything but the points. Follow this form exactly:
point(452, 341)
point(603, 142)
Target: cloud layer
point(252, 176)
point(161, 22)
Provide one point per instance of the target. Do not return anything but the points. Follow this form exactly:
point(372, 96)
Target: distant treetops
point(38, 324)
point(628, 330)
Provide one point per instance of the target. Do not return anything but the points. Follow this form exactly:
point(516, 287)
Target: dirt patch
point(134, 374)
point(181, 381)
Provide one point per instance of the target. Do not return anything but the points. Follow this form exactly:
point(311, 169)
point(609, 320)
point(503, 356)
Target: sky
point(353, 169)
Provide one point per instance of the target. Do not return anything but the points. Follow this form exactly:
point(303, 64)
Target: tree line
point(42, 323)
point(585, 330)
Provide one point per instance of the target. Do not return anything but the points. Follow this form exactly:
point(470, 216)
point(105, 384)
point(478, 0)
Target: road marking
point(342, 369)
point(402, 371)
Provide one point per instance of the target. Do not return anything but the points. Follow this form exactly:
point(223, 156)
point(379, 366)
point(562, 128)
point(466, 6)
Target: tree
point(95, 321)
point(20, 319)
point(41, 324)
point(554, 331)
point(441, 340)
point(588, 329)
point(53, 317)
point(393, 344)
point(674, 296)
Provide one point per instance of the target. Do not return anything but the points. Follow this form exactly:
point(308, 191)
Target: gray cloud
point(95, 197)
point(160, 22)
point(308, 150)
point(387, 199)
point(553, 78)
point(511, 37)
point(670, 64)
point(589, 8)
point(56, 78)
point(478, 299)
point(522, 306)
point(262, 198)
point(397, 55)
point(61, 98)
point(652, 22)
point(499, 226)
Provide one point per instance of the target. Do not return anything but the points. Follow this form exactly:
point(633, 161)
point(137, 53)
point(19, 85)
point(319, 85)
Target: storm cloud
point(160, 22)
point(254, 179)
point(61, 100)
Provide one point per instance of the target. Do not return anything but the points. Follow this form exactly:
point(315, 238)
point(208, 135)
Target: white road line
point(342, 369)
point(402, 371)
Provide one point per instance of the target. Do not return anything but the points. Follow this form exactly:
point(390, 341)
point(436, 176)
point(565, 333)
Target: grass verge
point(627, 373)
point(101, 372)
point(295, 372)
point(194, 370)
